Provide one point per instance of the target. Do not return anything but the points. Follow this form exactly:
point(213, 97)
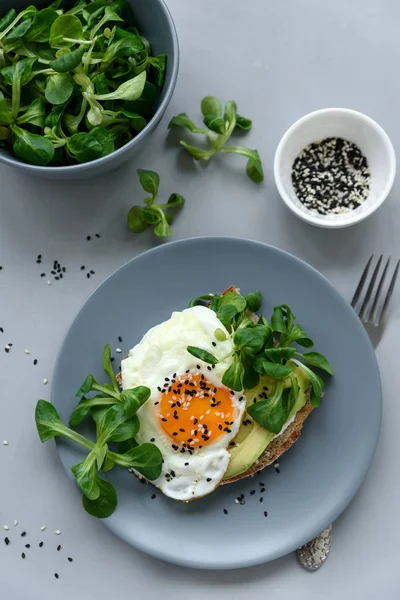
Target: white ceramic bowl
point(350, 125)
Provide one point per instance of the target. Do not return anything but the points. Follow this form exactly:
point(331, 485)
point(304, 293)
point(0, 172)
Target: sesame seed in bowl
point(334, 167)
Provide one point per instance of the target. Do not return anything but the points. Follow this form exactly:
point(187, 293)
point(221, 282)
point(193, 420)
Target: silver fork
point(373, 310)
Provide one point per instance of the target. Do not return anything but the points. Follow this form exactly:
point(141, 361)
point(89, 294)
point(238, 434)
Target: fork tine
point(385, 309)
point(360, 286)
point(374, 310)
point(370, 289)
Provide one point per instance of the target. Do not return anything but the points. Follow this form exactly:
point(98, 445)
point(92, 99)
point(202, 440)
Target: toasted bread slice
point(281, 443)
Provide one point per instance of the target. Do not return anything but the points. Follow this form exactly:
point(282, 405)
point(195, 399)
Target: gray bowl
point(155, 23)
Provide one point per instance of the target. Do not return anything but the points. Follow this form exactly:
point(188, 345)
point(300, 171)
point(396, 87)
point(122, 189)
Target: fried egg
point(190, 415)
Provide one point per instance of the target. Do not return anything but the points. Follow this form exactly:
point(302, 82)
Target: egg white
point(161, 353)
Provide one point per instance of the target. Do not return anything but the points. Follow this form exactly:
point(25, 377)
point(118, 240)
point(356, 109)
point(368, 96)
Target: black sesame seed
point(97, 235)
point(186, 464)
point(153, 496)
point(82, 267)
point(92, 272)
point(42, 274)
point(58, 547)
point(23, 534)
point(209, 479)
point(27, 545)
point(253, 492)
point(261, 499)
point(225, 511)
point(88, 237)
point(70, 559)
point(6, 541)
point(153, 439)
point(214, 344)
point(119, 338)
point(23, 555)
point(88, 275)
point(265, 513)
point(56, 575)
point(262, 490)
point(35, 362)
point(40, 544)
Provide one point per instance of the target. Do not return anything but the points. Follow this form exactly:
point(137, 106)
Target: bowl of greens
point(83, 83)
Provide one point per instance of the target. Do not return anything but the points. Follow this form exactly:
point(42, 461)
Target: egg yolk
point(194, 412)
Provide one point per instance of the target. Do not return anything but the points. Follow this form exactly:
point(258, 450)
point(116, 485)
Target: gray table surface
point(278, 60)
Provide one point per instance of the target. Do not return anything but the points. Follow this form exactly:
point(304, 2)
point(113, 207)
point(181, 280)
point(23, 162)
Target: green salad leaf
point(153, 214)
point(218, 130)
point(262, 348)
point(114, 413)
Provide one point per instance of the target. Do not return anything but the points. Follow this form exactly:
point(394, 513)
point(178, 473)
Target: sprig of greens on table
point(153, 214)
point(114, 413)
point(264, 348)
point(219, 128)
point(74, 84)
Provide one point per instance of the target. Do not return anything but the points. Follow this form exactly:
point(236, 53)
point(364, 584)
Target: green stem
point(83, 42)
point(238, 150)
point(86, 62)
point(13, 24)
point(68, 433)
point(101, 388)
point(16, 95)
point(118, 459)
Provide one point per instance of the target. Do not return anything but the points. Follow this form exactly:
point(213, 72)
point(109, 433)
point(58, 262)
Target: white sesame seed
point(118, 350)
point(15, 523)
point(43, 527)
point(6, 527)
point(57, 532)
point(5, 443)
point(48, 282)
point(192, 418)
point(27, 351)
point(45, 381)
point(208, 412)
point(236, 501)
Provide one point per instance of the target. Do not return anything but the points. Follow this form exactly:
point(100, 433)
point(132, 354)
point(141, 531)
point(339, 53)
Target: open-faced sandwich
point(210, 396)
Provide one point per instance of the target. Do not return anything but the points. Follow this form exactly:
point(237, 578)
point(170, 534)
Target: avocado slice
point(252, 439)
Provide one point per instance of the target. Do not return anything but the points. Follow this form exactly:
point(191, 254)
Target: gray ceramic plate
point(318, 476)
